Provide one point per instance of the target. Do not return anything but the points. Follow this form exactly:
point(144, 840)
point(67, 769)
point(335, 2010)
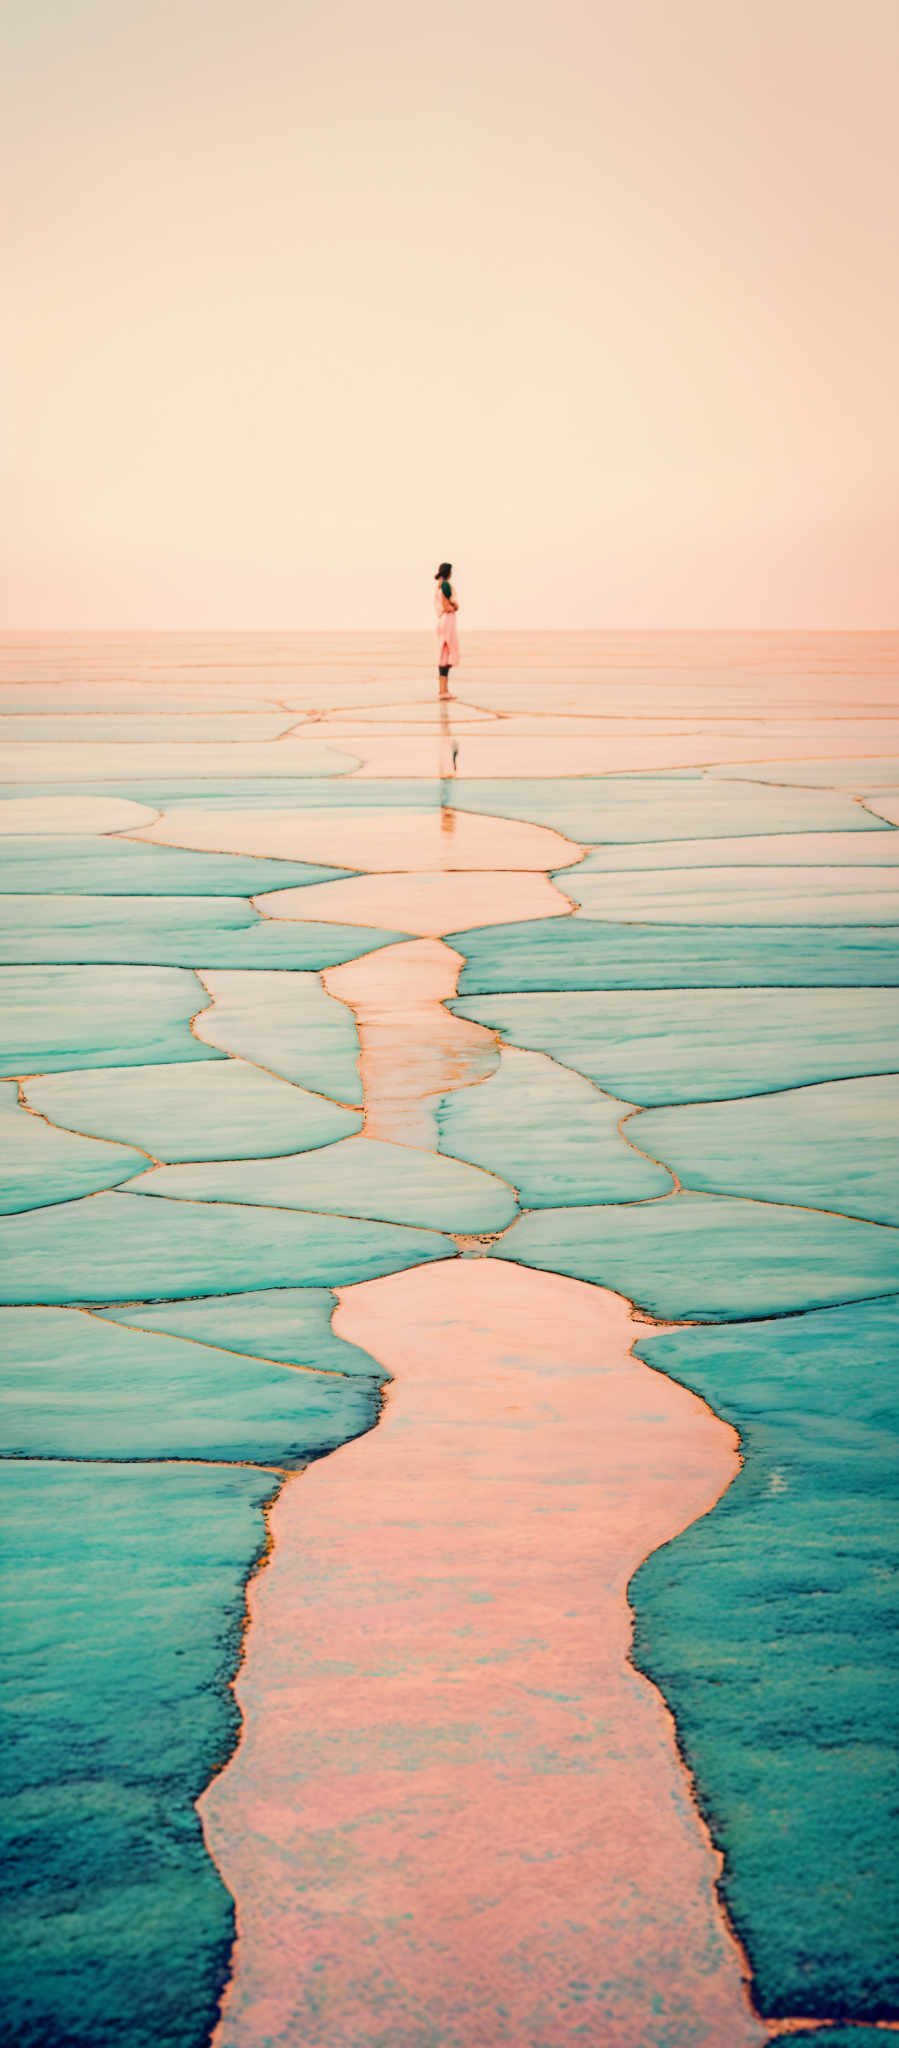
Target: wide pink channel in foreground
point(456, 1813)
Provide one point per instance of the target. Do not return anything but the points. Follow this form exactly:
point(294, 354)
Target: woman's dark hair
point(445, 569)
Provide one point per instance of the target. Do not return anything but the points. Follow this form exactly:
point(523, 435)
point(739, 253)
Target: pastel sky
point(598, 297)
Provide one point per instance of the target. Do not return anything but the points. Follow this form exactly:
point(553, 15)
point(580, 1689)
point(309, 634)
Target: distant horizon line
point(424, 631)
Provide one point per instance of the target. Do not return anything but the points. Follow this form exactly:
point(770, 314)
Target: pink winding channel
point(457, 1815)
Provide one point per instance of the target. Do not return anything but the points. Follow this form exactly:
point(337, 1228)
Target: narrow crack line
point(699, 722)
point(128, 896)
point(865, 804)
point(325, 715)
point(331, 1372)
point(244, 1058)
point(412, 874)
point(678, 1187)
point(271, 916)
point(700, 1102)
point(69, 1130)
point(712, 1194)
point(661, 1324)
point(296, 725)
point(766, 1202)
point(778, 782)
point(711, 768)
point(701, 1817)
point(121, 832)
point(308, 1154)
point(259, 1564)
point(217, 1464)
point(786, 832)
point(767, 1094)
point(648, 924)
point(127, 711)
point(737, 1193)
point(281, 1208)
point(682, 989)
point(780, 1315)
point(193, 1020)
point(859, 870)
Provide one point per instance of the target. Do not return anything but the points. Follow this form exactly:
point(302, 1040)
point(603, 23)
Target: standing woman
point(446, 608)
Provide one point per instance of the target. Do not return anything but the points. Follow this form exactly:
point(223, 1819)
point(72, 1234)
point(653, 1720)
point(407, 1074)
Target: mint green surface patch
point(592, 808)
point(123, 1598)
point(831, 1147)
point(40, 1165)
point(575, 953)
point(758, 850)
point(248, 793)
point(76, 1387)
point(550, 1133)
point(289, 1324)
point(769, 1626)
point(172, 931)
point(659, 1047)
point(734, 895)
point(125, 1248)
point(225, 1110)
point(58, 768)
point(82, 865)
point(707, 1258)
point(58, 1017)
point(288, 1023)
point(142, 725)
point(357, 1177)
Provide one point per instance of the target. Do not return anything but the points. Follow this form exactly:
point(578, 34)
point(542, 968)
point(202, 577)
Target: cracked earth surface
point(571, 1287)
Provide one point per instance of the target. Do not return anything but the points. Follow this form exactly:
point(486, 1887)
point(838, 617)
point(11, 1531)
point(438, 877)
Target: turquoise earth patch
point(770, 1627)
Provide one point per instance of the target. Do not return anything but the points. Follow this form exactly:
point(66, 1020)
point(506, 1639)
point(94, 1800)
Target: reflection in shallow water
point(449, 754)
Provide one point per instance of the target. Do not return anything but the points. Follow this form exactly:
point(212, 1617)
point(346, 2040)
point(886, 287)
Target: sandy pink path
point(412, 1050)
point(399, 841)
point(456, 1815)
point(428, 904)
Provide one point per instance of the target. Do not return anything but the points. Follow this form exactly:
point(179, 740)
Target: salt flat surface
point(367, 1054)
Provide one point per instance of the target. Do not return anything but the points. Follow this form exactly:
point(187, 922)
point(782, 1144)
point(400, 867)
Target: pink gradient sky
point(599, 299)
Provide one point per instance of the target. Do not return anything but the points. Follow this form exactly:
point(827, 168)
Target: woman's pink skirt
point(447, 641)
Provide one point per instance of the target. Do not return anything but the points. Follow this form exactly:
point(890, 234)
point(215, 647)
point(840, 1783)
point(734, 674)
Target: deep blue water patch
point(123, 1590)
point(550, 953)
point(769, 1626)
point(833, 2037)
